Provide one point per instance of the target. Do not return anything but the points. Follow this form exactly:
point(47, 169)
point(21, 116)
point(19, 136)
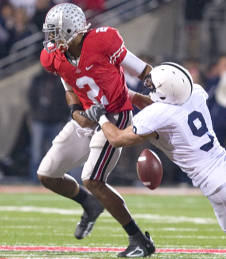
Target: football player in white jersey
point(178, 122)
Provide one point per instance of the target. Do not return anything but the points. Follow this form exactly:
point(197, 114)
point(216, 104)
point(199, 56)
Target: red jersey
point(98, 77)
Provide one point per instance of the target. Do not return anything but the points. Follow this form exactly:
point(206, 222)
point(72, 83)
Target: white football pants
point(218, 201)
point(75, 145)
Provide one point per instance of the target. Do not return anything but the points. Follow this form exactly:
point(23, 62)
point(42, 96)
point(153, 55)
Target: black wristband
point(74, 107)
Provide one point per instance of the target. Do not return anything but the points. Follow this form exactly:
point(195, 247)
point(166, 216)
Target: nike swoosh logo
point(89, 67)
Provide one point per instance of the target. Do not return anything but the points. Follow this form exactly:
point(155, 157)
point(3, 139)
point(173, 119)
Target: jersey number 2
point(93, 93)
point(202, 130)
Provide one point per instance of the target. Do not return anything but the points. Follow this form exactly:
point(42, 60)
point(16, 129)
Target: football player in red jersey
point(90, 64)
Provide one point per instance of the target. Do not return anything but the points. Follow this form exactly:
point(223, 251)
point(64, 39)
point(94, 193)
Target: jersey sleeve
point(133, 65)
point(47, 61)
point(150, 119)
point(114, 46)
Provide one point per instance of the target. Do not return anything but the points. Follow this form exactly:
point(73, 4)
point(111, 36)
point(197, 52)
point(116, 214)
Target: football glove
point(94, 112)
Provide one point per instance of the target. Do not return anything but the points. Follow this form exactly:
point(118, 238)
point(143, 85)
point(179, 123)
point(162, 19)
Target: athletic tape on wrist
point(102, 120)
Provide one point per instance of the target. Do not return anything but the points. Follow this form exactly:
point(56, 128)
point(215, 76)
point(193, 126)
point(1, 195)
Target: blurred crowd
point(22, 18)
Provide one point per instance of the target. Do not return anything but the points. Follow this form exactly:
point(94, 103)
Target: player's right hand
point(94, 112)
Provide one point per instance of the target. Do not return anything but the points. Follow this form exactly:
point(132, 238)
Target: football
point(149, 169)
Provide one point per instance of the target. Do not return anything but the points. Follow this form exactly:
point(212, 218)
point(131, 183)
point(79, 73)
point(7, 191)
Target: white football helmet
point(63, 23)
point(169, 83)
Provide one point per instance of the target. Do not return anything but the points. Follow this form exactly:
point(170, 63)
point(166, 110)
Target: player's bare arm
point(145, 72)
point(122, 138)
point(138, 68)
point(73, 101)
point(139, 100)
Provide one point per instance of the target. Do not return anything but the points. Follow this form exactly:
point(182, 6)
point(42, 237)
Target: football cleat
point(139, 246)
point(92, 210)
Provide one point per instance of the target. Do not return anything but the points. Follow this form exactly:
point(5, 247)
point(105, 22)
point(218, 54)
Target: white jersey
point(185, 135)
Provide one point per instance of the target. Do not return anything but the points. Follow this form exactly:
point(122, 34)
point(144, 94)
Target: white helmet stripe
point(61, 20)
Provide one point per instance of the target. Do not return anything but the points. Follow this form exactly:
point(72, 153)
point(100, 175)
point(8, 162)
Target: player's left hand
point(94, 112)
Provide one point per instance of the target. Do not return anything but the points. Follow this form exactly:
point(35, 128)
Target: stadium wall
point(155, 33)
point(13, 105)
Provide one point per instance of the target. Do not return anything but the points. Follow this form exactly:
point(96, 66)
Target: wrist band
point(74, 107)
point(102, 120)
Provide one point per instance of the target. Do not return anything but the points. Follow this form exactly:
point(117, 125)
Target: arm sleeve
point(132, 64)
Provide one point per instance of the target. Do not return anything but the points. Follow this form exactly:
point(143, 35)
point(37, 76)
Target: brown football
point(149, 169)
